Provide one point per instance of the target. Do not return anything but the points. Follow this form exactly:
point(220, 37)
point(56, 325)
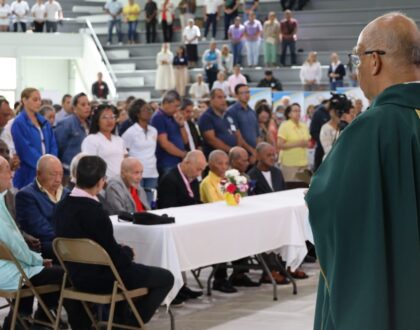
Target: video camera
point(341, 105)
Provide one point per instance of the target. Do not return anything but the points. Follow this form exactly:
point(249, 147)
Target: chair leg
point(135, 311)
point(60, 305)
point(112, 310)
point(90, 315)
point(172, 318)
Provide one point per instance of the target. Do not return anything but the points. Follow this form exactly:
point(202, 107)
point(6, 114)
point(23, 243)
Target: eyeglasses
point(355, 59)
point(113, 117)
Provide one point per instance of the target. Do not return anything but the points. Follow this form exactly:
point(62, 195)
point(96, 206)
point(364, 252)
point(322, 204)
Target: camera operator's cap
point(268, 73)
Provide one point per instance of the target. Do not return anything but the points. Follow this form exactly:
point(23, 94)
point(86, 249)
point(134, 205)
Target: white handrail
point(101, 50)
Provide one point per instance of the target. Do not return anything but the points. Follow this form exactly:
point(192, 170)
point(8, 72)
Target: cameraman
point(340, 117)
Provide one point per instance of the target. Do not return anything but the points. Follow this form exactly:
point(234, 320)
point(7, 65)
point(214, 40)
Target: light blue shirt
point(114, 7)
point(10, 234)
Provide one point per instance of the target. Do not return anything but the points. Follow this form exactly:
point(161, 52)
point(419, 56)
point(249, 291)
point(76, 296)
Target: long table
point(213, 233)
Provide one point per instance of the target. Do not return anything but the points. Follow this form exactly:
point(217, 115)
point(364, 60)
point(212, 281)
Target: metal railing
point(101, 50)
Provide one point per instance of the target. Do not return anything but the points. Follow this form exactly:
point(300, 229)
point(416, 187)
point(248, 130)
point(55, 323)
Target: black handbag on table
point(146, 218)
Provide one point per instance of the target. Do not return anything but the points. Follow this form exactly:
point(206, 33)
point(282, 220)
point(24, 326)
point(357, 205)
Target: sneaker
point(120, 43)
point(108, 43)
point(223, 286)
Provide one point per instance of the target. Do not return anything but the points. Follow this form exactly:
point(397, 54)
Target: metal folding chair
point(86, 251)
point(25, 289)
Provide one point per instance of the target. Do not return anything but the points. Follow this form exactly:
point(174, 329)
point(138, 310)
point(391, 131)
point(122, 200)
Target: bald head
point(47, 161)
point(131, 172)
point(49, 173)
point(238, 159)
point(218, 162)
point(266, 156)
point(398, 36)
point(193, 164)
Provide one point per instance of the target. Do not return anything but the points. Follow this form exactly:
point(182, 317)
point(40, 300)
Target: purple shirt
point(253, 28)
point(236, 32)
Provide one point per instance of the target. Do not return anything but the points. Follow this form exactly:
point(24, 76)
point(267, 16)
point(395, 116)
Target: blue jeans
point(335, 84)
point(148, 184)
point(253, 52)
point(291, 44)
point(237, 53)
point(117, 24)
point(132, 31)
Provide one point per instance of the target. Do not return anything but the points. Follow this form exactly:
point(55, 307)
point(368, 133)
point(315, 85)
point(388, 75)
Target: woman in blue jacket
point(33, 137)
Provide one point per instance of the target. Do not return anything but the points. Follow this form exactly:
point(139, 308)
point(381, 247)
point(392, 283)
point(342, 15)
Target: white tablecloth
point(207, 234)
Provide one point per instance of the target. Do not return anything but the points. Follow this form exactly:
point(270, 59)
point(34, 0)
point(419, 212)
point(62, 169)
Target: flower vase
point(232, 199)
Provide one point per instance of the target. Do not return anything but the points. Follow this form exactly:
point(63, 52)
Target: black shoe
point(177, 302)
point(223, 286)
point(242, 280)
point(191, 294)
point(309, 259)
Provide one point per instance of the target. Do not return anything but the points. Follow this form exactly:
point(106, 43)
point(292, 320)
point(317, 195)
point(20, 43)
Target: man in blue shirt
point(172, 136)
point(245, 119)
point(217, 131)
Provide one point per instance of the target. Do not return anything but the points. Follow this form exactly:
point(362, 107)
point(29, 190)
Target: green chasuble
point(364, 209)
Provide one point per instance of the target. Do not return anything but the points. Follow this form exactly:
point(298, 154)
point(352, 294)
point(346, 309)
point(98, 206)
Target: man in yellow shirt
point(210, 187)
point(131, 14)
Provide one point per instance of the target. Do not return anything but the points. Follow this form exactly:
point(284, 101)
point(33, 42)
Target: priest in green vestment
point(364, 200)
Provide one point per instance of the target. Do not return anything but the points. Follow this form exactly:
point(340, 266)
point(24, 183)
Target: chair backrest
point(81, 250)
point(5, 253)
point(84, 251)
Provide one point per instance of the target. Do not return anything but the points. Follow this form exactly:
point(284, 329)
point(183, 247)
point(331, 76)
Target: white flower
point(241, 180)
point(232, 173)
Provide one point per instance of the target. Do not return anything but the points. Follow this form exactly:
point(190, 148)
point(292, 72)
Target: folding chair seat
point(25, 289)
point(86, 251)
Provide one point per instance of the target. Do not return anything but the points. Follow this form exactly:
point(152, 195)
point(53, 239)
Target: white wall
point(55, 63)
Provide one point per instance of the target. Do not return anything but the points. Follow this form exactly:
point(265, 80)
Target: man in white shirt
point(20, 9)
point(38, 13)
point(212, 14)
point(114, 9)
point(191, 35)
point(199, 89)
point(53, 15)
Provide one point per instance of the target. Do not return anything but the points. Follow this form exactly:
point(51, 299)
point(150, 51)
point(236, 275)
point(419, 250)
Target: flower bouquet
point(234, 186)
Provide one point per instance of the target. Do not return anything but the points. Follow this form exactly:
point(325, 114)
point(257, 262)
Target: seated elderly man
point(210, 192)
point(36, 202)
point(81, 215)
point(239, 159)
point(40, 271)
point(179, 187)
point(268, 178)
point(210, 187)
point(123, 193)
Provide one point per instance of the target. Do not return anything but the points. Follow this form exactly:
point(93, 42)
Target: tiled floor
point(250, 308)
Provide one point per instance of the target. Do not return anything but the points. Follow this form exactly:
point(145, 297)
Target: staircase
point(325, 26)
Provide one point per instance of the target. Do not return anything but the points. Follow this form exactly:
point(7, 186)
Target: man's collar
point(52, 198)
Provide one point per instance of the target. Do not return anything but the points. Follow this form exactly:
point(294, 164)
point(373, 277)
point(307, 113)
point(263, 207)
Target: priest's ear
point(375, 64)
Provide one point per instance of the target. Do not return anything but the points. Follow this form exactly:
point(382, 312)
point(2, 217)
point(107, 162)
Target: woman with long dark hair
point(102, 140)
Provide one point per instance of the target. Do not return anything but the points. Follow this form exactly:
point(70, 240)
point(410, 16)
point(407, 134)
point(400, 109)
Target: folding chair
point(25, 289)
point(86, 251)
